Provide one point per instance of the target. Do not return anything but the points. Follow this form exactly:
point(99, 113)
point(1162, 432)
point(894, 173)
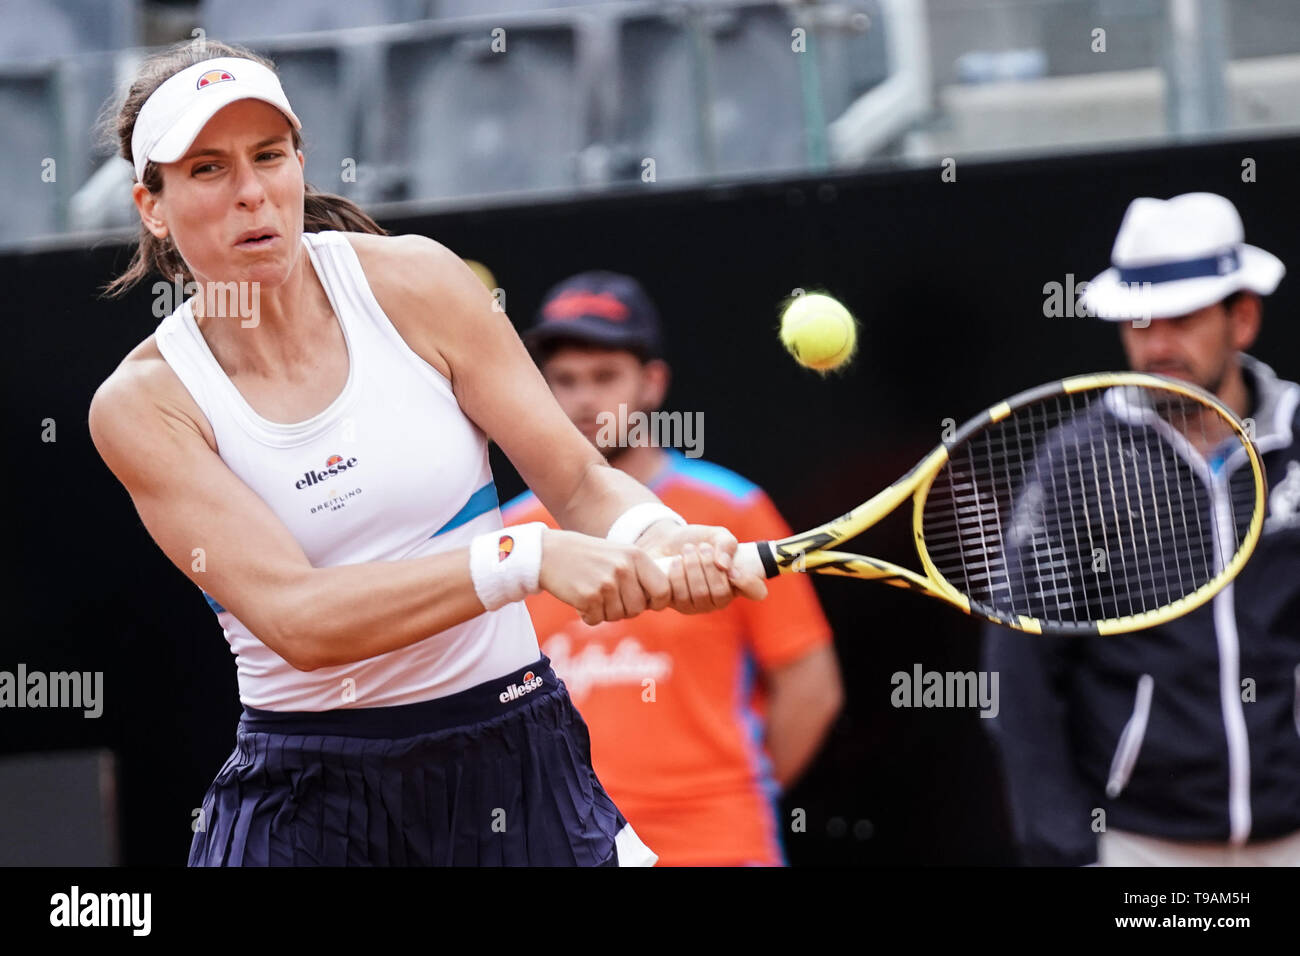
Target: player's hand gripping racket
point(1098, 504)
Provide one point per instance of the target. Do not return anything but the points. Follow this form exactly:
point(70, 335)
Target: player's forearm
point(342, 614)
point(603, 493)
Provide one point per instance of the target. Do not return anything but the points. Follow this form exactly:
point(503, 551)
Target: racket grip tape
point(753, 557)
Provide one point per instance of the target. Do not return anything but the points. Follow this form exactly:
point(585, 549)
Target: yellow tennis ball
point(818, 331)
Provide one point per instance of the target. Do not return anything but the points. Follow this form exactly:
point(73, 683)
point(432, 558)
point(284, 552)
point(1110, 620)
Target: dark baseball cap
point(597, 308)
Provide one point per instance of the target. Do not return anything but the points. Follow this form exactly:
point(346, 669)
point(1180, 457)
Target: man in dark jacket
point(1178, 745)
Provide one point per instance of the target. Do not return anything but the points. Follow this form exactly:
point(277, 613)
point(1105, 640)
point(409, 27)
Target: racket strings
point(1091, 506)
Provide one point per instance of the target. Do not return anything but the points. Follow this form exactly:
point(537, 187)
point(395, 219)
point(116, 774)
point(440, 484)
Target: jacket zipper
point(1234, 715)
point(1130, 739)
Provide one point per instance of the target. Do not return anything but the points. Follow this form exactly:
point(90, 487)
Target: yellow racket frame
point(807, 552)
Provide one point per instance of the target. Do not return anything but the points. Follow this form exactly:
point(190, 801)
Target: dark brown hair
point(321, 211)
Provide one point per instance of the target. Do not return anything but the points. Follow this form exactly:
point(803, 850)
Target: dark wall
point(947, 280)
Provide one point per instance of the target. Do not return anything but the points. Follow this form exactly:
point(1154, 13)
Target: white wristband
point(505, 564)
point(629, 525)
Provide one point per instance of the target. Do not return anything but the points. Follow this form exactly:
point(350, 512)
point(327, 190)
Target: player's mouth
point(256, 239)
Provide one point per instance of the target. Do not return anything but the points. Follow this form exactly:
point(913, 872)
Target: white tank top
point(392, 469)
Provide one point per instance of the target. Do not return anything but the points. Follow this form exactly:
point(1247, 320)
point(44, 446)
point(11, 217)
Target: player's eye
point(202, 168)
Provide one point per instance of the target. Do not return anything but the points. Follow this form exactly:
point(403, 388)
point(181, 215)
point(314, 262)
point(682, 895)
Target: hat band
point(1218, 265)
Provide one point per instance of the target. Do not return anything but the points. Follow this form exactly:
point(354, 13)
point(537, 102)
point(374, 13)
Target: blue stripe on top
point(213, 604)
point(480, 502)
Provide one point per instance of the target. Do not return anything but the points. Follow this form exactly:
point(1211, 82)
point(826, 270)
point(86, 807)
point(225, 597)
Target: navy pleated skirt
point(499, 774)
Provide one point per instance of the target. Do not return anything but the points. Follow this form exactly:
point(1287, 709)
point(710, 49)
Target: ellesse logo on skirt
point(529, 684)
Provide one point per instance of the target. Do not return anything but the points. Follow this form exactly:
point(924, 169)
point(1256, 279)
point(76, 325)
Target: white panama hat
point(175, 113)
point(1174, 256)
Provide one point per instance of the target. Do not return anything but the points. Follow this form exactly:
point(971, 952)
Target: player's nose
point(249, 189)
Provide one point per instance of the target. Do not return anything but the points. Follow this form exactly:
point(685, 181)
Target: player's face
point(1197, 347)
point(587, 381)
point(241, 175)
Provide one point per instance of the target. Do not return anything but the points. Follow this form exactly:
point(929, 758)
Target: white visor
point(177, 111)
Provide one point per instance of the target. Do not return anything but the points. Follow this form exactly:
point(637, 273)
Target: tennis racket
point(1098, 504)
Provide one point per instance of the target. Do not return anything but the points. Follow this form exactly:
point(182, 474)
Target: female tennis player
point(315, 459)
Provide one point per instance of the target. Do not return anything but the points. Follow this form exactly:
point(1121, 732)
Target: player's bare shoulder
point(425, 289)
point(409, 264)
point(142, 397)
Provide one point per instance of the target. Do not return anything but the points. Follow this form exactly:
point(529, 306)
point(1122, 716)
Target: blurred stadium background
point(421, 100)
point(724, 152)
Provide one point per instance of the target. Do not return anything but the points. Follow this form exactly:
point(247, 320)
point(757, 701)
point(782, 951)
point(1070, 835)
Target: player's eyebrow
point(213, 151)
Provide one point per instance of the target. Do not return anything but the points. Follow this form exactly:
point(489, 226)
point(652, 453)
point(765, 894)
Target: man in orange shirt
point(697, 722)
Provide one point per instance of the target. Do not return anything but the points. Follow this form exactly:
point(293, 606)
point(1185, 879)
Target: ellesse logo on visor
point(213, 76)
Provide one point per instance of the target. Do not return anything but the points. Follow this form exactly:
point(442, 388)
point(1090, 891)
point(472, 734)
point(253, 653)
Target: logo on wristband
point(504, 546)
